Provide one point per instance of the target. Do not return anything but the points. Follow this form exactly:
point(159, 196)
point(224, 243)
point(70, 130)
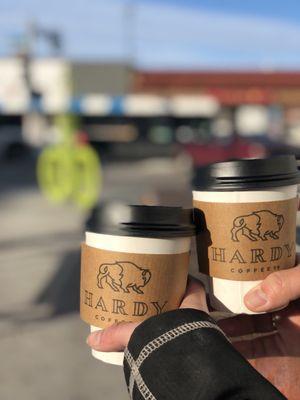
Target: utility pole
point(26, 52)
point(129, 31)
point(25, 49)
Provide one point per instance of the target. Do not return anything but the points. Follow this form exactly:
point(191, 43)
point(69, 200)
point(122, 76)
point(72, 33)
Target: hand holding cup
point(116, 337)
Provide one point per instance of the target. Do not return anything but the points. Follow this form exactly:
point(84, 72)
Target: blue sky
point(168, 34)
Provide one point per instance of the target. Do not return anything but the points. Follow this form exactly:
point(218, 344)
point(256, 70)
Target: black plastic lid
point(245, 174)
point(147, 221)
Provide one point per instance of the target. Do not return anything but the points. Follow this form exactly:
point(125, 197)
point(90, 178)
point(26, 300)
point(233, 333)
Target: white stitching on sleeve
point(135, 376)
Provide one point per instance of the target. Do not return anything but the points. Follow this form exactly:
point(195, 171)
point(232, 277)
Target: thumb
point(113, 338)
point(194, 296)
point(276, 291)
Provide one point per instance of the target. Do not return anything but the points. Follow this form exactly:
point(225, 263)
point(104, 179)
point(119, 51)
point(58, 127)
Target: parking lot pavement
point(42, 339)
point(43, 357)
point(49, 360)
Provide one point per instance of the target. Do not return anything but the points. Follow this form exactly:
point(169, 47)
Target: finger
point(276, 291)
point(114, 338)
point(195, 296)
point(241, 325)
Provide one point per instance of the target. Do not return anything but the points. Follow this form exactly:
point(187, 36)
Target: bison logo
point(258, 225)
point(123, 275)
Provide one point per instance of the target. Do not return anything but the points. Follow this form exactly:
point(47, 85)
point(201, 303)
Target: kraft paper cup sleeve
point(117, 287)
point(245, 241)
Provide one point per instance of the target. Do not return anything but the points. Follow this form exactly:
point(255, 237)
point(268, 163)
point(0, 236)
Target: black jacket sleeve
point(184, 355)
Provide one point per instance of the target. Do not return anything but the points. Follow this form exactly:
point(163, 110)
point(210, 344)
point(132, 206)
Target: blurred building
point(262, 102)
point(120, 104)
point(57, 82)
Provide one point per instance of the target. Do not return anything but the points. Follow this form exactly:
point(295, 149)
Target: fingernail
point(94, 338)
point(256, 299)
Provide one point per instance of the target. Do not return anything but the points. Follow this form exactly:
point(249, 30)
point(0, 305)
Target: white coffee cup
point(176, 243)
point(132, 245)
point(228, 295)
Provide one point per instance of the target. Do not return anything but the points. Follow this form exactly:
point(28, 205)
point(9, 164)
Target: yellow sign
point(70, 173)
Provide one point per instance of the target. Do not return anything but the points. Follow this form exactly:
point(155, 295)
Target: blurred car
point(216, 150)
